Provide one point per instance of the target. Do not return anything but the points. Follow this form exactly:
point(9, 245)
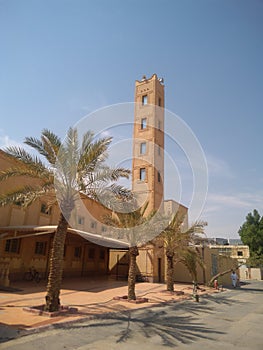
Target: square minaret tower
point(148, 142)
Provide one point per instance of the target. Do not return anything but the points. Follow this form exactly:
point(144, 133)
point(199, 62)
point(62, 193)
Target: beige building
point(214, 262)
point(26, 234)
point(238, 252)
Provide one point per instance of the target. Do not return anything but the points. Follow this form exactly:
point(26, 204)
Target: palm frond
point(111, 220)
point(22, 155)
point(87, 140)
point(93, 154)
point(100, 178)
point(42, 174)
point(53, 139)
point(25, 195)
point(48, 146)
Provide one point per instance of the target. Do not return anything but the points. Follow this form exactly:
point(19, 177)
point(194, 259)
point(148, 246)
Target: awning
point(29, 231)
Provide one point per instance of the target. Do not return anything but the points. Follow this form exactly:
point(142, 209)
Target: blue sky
point(61, 60)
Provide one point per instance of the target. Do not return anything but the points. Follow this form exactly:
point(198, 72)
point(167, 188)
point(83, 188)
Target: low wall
point(249, 273)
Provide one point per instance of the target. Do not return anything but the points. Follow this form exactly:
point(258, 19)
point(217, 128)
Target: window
point(159, 125)
point(102, 254)
point(159, 101)
point(45, 209)
point(93, 224)
point(144, 100)
point(80, 220)
point(225, 251)
point(143, 148)
point(159, 176)
point(40, 248)
point(142, 174)
point(12, 245)
point(159, 150)
point(77, 252)
point(239, 253)
point(143, 123)
point(103, 229)
point(91, 253)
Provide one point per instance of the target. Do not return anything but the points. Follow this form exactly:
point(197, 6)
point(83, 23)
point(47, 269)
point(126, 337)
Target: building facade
point(26, 234)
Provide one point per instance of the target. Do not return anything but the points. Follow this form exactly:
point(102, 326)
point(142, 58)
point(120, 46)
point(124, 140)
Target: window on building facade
point(77, 252)
point(144, 100)
point(142, 174)
point(159, 176)
point(159, 150)
point(91, 253)
point(40, 248)
point(45, 209)
point(159, 101)
point(143, 123)
point(12, 245)
point(81, 220)
point(103, 229)
point(239, 253)
point(143, 148)
point(93, 224)
point(159, 125)
point(225, 251)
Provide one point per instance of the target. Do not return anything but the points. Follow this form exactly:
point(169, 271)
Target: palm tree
point(130, 225)
point(68, 170)
point(177, 245)
point(191, 257)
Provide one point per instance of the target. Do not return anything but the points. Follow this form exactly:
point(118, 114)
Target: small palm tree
point(191, 257)
point(68, 170)
point(176, 242)
point(125, 225)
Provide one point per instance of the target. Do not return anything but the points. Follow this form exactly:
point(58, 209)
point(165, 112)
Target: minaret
point(148, 142)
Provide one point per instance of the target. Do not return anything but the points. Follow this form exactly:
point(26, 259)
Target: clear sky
point(62, 59)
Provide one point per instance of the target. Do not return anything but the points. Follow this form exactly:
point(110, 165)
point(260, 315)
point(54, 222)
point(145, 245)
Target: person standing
point(234, 278)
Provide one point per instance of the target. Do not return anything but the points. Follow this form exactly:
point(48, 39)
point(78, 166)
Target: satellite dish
point(161, 80)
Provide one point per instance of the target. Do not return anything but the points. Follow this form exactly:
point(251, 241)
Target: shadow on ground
point(7, 333)
point(171, 325)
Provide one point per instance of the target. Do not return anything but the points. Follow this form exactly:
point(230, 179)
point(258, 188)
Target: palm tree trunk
point(170, 272)
point(56, 266)
point(211, 282)
point(133, 253)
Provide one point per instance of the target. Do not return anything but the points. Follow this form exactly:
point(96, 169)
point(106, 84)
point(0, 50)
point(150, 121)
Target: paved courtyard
point(227, 320)
point(91, 298)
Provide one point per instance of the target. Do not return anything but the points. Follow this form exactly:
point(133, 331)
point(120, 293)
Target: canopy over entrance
point(12, 232)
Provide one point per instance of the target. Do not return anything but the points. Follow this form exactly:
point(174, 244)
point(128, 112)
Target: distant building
point(237, 252)
point(221, 241)
point(235, 241)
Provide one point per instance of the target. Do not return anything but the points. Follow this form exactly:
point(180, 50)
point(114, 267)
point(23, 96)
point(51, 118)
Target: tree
point(71, 169)
point(131, 225)
point(179, 246)
point(251, 233)
point(191, 257)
